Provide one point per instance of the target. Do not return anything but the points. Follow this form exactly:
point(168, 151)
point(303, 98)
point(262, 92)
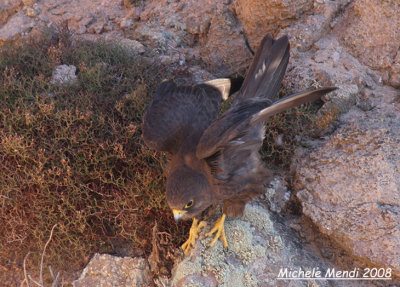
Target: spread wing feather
point(258, 91)
point(231, 143)
point(241, 118)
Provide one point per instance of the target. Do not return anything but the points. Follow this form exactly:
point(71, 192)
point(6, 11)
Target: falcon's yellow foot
point(220, 231)
point(193, 235)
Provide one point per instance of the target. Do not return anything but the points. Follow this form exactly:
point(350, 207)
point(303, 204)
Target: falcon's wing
point(238, 121)
point(176, 111)
point(257, 92)
point(231, 143)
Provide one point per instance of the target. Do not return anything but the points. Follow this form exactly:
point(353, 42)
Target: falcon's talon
point(193, 235)
point(220, 231)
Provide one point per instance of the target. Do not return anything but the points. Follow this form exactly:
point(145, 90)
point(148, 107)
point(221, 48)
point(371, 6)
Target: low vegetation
point(73, 156)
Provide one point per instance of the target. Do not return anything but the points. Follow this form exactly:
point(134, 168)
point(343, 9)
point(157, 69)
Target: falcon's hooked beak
point(178, 214)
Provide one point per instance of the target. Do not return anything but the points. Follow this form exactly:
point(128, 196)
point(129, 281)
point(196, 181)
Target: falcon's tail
point(267, 69)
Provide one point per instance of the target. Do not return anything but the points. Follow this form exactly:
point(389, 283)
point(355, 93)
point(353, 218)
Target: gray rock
point(228, 56)
point(200, 75)
point(259, 246)
point(309, 29)
point(126, 22)
point(30, 12)
point(8, 8)
point(64, 75)
point(375, 37)
point(259, 17)
point(79, 24)
point(394, 80)
point(16, 26)
point(174, 22)
point(350, 185)
point(107, 270)
point(169, 59)
point(28, 2)
point(197, 25)
point(132, 45)
point(277, 195)
point(9, 4)
point(98, 27)
point(158, 35)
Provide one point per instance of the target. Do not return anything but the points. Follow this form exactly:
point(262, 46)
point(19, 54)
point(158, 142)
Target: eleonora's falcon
point(215, 158)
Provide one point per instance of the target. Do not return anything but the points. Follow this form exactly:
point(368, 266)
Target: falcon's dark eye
point(189, 204)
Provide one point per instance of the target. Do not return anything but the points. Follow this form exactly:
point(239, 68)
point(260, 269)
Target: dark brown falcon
point(215, 159)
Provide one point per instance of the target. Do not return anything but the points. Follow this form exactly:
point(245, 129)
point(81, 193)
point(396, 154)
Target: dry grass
point(284, 133)
point(73, 156)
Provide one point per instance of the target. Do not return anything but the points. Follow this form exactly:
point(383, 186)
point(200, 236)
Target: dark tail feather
point(289, 102)
point(267, 69)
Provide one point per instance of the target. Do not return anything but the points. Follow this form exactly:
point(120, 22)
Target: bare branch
point(25, 273)
point(34, 281)
point(44, 251)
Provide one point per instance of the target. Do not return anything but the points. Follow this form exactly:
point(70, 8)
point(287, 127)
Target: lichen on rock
point(254, 245)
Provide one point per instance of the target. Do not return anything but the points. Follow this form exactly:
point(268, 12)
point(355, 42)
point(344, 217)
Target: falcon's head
point(188, 193)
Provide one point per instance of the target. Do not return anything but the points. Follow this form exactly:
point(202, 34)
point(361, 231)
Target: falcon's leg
point(234, 206)
point(193, 235)
point(220, 231)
